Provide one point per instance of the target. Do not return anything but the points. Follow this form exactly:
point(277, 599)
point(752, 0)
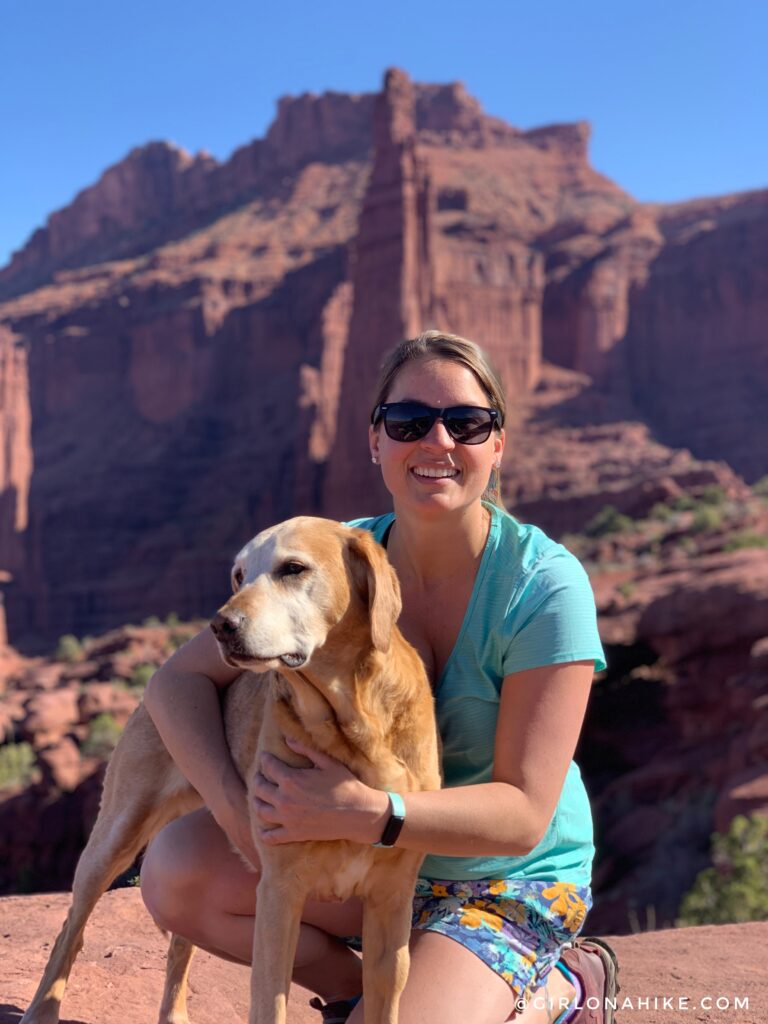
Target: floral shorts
point(515, 926)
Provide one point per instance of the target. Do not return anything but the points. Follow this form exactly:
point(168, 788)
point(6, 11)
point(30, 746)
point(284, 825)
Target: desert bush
point(746, 539)
point(607, 520)
point(735, 888)
point(68, 648)
point(103, 734)
point(706, 517)
point(761, 487)
point(141, 676)
point(683, 503)
point(712, 494)
point(17, 762)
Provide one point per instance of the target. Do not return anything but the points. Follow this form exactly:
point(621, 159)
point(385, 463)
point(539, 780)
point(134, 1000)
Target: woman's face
point(439, 383)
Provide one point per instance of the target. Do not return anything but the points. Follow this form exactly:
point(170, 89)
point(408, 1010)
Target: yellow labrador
point(312, 624)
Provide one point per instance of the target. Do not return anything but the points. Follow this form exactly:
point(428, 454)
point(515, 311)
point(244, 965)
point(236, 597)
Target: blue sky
point(676, 91)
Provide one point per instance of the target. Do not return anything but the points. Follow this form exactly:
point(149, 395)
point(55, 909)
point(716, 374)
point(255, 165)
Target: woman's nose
point(439, 436)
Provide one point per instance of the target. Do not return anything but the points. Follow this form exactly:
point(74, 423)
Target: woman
point(504, 619)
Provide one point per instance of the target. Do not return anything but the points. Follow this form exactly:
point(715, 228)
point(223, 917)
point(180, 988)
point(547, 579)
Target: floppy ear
point(377, 584)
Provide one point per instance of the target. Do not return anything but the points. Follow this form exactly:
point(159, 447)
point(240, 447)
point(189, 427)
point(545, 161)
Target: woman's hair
point(436, 345)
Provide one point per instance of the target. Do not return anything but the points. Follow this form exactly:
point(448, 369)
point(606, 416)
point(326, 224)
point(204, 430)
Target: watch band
point(395, 823)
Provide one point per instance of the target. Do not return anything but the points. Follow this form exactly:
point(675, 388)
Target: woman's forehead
point(437, 382)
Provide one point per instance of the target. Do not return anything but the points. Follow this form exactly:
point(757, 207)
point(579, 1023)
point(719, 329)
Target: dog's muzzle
point(227, 630)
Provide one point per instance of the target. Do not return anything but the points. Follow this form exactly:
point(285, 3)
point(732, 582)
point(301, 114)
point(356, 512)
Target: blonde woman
point(504, 619)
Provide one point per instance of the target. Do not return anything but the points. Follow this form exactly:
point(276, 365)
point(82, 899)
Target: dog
point(312, 623)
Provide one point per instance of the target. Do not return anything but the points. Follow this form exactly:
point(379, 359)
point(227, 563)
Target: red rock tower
point(390, 275)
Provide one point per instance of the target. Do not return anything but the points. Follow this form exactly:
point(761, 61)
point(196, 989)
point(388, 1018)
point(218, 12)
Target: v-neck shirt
point(531, 605)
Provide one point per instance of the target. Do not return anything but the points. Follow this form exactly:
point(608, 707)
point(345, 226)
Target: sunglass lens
point(469, 425)
point(408, 421)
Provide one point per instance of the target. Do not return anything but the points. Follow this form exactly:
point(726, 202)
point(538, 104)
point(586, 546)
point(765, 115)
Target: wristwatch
point(396, 819)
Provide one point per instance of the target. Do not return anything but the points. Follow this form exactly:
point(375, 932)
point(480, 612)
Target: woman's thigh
point(449, 984)
point(190, 869)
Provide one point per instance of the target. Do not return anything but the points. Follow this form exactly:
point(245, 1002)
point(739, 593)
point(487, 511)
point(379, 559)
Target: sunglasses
point(410, 421)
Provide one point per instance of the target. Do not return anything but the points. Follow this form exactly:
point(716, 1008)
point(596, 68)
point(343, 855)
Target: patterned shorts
point(516, 927)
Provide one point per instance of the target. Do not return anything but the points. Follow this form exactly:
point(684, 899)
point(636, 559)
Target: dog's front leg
point(275, 937)
point(387, 913)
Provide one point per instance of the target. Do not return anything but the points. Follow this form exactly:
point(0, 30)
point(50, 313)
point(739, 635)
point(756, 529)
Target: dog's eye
point(291, 569)
point(237, 577)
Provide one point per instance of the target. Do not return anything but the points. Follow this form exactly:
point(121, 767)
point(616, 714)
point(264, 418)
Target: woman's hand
point(323, 802)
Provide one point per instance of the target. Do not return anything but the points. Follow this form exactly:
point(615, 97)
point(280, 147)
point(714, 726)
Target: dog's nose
point(226, 626)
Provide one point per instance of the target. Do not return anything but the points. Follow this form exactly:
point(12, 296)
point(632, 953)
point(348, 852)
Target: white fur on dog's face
point(290, 587)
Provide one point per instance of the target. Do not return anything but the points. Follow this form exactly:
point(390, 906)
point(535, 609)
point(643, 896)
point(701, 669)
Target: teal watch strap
point(395, 823)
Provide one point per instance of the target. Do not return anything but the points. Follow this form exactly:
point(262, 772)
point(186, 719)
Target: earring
point(497, 465)
point(374, 460)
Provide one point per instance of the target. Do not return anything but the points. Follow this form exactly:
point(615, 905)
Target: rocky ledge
point(710, 974)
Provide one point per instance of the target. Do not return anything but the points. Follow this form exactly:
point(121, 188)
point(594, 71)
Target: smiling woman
point(504, 620)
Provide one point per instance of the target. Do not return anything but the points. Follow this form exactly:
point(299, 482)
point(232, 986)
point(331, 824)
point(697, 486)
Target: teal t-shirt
point(532, 605)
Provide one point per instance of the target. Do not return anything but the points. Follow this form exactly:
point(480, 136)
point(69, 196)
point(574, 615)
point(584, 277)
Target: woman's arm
point(183, 702)
point(540, 717)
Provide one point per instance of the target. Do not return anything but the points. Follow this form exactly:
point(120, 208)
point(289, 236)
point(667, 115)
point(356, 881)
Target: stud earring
point(374, 460)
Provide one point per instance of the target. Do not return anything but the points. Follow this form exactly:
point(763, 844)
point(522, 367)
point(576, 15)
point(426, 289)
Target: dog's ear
point(377, 584)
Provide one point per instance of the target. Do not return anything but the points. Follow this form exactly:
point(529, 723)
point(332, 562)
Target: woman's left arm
point(540, 718)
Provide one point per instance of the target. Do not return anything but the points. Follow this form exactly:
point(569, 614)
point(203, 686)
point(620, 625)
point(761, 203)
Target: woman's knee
point(180, 865)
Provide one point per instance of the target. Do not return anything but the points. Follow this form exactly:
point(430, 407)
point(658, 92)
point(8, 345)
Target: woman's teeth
point(435, 473)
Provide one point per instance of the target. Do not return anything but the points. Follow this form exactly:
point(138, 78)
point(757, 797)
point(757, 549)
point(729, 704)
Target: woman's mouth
point(435, 472)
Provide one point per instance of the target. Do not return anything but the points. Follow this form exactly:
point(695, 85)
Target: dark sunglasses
point(410, 421)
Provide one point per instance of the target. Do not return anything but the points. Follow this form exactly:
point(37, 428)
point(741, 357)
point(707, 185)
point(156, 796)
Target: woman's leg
point(449, 983)
point(193, 884)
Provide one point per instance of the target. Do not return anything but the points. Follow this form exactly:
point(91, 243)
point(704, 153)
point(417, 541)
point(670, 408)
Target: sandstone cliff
point(186, 354)
point(194, 342)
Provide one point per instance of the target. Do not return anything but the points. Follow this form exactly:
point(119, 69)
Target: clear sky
point(676, 90)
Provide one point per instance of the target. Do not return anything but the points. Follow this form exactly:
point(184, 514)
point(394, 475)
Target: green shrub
point(761, 487)
point(746, 539)
point(661, 511)
point(152, 620)
point(103, 734)
point(141, 676)
point(683, 503)
point(627, 588)
point(735, 889)
point(608, 520)
point(17, 762)
point(68, 649)
point(712, 494)
point(706, 517)
point(172, 620)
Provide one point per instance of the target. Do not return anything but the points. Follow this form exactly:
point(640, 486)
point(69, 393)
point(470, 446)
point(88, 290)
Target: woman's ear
point(373, 442)
point(498, 445)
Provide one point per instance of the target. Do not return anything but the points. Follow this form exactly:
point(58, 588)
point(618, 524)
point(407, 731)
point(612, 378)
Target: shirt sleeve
point(555, 618)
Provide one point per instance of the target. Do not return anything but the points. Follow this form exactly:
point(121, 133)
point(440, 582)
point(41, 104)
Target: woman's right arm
point(183, 702)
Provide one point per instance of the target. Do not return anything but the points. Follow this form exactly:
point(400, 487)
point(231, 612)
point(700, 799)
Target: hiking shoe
point(594, 963)
point(335, 1012)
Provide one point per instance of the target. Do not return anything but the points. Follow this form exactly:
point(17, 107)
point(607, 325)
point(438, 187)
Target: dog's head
point(297, 584)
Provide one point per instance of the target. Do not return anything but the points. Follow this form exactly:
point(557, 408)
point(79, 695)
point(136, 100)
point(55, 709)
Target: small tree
point(69, 648)
point(17, 762)
point(735, 889)
point(607, 520)
point(103, 734)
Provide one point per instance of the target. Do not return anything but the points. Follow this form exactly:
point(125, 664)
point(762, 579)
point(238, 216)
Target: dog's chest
point(338, 870)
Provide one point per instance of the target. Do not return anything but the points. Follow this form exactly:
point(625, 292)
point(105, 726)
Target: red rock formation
point(187, 387)
point(389, 266)
point(16, 457)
